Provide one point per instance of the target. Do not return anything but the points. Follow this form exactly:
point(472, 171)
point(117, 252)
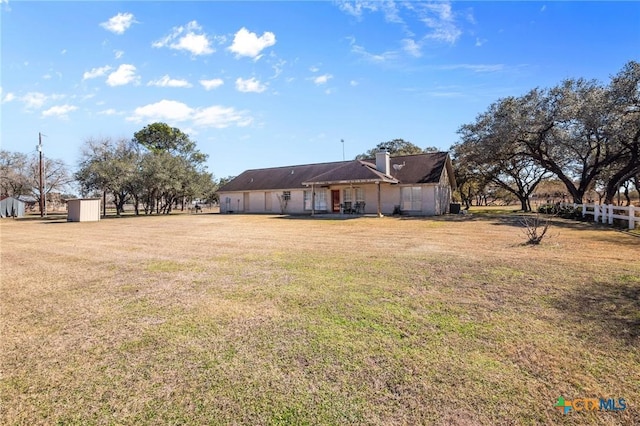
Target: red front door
point(335, 200)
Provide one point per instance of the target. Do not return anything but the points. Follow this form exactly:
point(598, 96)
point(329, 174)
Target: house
point(418, 185)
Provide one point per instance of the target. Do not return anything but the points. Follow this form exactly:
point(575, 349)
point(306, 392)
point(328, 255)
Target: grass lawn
point(264, 320)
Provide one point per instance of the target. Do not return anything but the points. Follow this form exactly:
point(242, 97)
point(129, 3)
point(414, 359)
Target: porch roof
point(356, 171)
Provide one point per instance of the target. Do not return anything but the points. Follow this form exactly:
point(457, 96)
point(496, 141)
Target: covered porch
point(351, 188)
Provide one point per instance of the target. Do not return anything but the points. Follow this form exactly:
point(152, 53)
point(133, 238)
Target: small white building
point(83, 210)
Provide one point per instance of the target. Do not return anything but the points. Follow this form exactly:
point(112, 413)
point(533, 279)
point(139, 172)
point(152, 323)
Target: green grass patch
point(282, 322)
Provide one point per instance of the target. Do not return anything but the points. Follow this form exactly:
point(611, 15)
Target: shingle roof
point(407, 169)
point(352, 172)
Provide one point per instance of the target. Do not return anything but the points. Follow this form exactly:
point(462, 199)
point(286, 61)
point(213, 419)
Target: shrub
point(535, 228)
point(567, 212)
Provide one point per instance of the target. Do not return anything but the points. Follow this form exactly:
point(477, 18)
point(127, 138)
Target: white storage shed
point(83, 210)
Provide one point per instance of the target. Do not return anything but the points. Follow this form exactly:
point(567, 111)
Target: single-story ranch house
point(412, 184)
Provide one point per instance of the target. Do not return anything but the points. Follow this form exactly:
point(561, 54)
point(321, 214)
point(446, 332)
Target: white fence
point(605, 213)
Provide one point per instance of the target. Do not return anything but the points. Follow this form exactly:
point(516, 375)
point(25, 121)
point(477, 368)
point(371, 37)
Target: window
point(307, 200)
point(411, 198)
point(321, 200)
point(286, 195)
point(349, 192)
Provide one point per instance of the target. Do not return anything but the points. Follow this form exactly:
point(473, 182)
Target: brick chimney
point(383, 162)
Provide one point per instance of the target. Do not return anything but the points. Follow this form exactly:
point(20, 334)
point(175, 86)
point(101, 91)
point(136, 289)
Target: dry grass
point(214, 319)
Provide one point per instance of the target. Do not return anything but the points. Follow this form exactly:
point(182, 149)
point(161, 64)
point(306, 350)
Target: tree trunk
point(136, 204)
point(524, 206)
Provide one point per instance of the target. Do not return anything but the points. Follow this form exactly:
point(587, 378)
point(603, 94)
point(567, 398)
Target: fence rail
point(605, 213)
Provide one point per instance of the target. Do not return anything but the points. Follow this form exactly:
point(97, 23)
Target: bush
point(535, 228)
point(567, 212)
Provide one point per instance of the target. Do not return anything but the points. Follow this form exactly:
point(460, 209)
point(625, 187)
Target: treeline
point(158, 169)
point(580, 132)
point(20, 176)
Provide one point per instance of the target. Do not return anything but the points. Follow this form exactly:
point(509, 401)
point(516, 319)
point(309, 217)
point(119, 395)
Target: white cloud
point(322, 79)
point(411, 47)
point(278, 67)
point(212, 84)
point(118, 54)
point(125, 74)
point(480, 42)
point(190, 38)
point(166, 81)
point(372, 57)
point(109, 111)
point(246, 43)
point(250, 85)
point(354, 83)
point(8, 97)
point(314, 69)
point(34, 100)
point(163, 110)
point(220, 117)
point(439, 18)
point(436, 15)
point(60, 111)
point(96, 72)
point(120, 23)
point(474, 68)
point(174, 111)
point(356, 8)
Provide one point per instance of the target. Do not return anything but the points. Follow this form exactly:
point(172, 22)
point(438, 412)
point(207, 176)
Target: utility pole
point(42, 195)
point(342, 140)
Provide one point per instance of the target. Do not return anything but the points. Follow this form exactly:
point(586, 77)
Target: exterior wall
point(389, 198)
point(83, 210)
point(443, 194)
point(435, 199)
point(259, 201)
point(429, 207)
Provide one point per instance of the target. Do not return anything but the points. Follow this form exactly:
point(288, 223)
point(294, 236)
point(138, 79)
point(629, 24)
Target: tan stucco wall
point(435, 199)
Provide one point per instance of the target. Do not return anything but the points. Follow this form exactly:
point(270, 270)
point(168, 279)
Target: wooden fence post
point(596, 212)
point(632, 217)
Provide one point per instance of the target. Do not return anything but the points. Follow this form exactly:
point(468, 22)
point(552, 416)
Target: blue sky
point(264, 84)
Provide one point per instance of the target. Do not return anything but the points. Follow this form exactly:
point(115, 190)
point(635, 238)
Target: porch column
point(313, 200)
point(379, 202)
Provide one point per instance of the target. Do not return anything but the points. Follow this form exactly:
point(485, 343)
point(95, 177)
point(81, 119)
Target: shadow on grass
point(319, 217)
point(611, 309)
point(599, 232)
point(126, 216)
point(48, 218)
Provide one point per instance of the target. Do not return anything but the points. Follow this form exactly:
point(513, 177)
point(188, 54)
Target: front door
point(335, 200)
